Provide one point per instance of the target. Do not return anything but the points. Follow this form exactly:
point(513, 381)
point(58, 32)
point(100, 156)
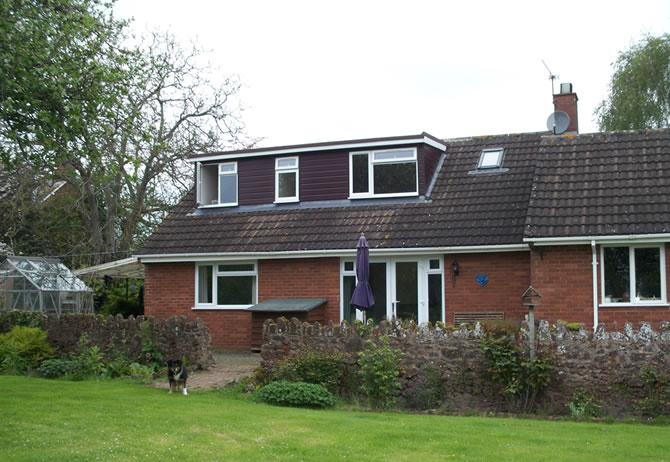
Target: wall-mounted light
point(454, 268)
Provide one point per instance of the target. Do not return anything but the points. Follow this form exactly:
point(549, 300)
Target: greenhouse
point(42, 284)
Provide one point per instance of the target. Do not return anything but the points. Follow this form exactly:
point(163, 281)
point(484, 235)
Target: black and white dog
point(177, 375)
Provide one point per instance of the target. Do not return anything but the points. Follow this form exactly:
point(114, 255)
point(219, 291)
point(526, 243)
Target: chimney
point(566, 101)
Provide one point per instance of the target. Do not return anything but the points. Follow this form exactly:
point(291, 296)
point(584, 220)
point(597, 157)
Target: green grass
point(117, 420)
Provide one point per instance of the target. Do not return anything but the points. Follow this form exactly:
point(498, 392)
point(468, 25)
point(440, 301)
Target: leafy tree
point(116, 122)
point(639, 93)
point(61, 73)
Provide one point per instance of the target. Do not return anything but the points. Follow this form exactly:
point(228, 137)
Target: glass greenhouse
point(42, 284)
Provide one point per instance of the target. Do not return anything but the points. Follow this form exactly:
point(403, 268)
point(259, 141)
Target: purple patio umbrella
point(362, 298)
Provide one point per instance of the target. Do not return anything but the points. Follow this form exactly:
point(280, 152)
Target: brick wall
point(509, 277)
point(170, 290)
point(563, 275)
point(303, 278)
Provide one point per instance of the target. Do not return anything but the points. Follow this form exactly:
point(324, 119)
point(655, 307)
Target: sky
point(316, 71)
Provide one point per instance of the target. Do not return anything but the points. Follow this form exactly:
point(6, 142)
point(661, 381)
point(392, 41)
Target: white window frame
point(219, 168)
point(216, 273)
point(499, 161)
point(631, 261)
point(279, 170)
point(423, 271)
point(372, 161)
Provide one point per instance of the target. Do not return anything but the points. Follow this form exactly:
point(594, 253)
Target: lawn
point(117, 420)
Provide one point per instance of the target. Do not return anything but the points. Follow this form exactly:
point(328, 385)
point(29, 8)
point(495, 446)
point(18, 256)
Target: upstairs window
point(633, 275)
point(491, 158)
point(217, 184)
point(383, 173)
point(286, 179)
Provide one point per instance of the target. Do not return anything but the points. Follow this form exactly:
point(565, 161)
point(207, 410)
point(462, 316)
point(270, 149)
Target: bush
point(508, 365)
point(657, 388)
point(584, 406)
point(298, 394)
point(323, 369)
point(13, 318)
point(379, 370)
point(23, 348)
point(424, 390)
point(54, 368)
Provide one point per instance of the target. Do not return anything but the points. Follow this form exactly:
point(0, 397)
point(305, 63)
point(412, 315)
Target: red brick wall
point(303, 278)
point(509, 277)
point(563, 275)
point(169, 290)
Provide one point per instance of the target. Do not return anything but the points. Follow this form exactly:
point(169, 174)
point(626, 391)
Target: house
point(458, 230)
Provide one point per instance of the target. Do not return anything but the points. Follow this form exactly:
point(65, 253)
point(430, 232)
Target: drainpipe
point(594, 264)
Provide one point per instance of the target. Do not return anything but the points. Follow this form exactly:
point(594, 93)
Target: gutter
point(374, 252)
point(575, 240)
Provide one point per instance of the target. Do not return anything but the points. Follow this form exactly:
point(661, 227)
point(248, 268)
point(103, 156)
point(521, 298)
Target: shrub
point(323, 369)
point(298, 394)
point(379, 369)
point(12, 318)
point(23, 348)
point(424, 390)
point(657, 387)
point(87, 361)
point(583, 405)
point(508, 365)
point(152, 355)
point(54, 368)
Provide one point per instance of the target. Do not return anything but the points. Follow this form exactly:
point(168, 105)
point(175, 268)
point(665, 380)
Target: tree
point(639, 92)
point(171, 109)
point(61, 72)
point(115, 121)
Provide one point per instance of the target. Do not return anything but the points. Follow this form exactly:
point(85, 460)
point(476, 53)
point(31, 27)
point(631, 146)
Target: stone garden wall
point(606, 364)
point(174, 337)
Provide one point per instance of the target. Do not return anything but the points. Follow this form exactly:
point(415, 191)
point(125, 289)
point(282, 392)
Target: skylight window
point(491, 158)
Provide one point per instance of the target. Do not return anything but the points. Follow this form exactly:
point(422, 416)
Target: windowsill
point(286, 201)
point(635, 305)
point(220, 307)
point(212, 206)
point(382, 196)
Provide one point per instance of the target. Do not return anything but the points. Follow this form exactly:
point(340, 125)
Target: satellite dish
point(558, 122)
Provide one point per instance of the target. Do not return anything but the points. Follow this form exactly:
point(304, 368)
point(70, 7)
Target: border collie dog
point(177, 375)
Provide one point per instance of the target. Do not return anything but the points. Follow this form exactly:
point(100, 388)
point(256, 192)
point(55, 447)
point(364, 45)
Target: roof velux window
point(286, 179)
point(217, 184)
point(387, 173)
point(491, 158)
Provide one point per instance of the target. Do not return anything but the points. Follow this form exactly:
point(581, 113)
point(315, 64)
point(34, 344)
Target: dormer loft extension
point(393, 167)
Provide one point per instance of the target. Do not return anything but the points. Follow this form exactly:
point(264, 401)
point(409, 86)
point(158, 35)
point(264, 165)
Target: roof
point(47, 274)
point(601, 185)
point(279, 305)
point(464, 209)
point(548, 187)
point(126, 268)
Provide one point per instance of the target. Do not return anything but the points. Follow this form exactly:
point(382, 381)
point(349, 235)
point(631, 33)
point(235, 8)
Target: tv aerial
point(559, 121)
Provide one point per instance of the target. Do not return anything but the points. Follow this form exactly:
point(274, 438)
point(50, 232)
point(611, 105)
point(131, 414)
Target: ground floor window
point(407, 288)
point(226, 285)
point(633, 275)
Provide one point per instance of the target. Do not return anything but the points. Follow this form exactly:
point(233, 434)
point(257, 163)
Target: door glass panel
point(348, 285)
point(407, 290)
point(378, 286)
point(434, 298)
